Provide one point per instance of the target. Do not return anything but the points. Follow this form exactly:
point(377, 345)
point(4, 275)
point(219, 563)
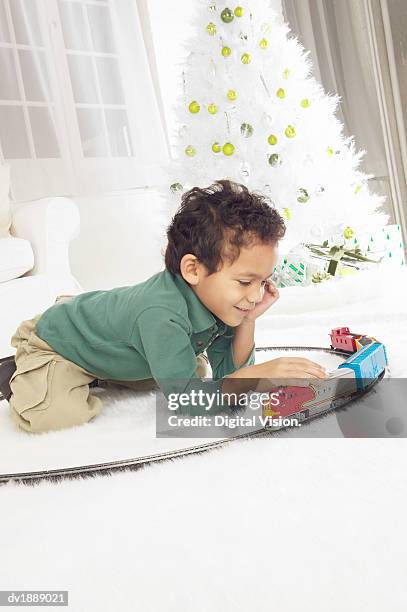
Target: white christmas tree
point(250, 110)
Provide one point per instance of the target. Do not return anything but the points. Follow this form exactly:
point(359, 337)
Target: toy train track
point(307, 412)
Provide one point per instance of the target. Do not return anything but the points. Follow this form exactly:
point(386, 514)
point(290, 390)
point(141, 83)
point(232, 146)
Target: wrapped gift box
point(385, 245)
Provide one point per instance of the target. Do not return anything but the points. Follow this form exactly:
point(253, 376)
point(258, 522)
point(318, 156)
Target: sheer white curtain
point(350, 58)
point(78, 109)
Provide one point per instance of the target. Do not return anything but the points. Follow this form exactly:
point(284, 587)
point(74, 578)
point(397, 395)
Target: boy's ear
point(191, 269)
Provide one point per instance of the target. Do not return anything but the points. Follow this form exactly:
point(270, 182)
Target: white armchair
point(49, 225)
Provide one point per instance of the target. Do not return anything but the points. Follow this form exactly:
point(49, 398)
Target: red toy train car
point(344, 340)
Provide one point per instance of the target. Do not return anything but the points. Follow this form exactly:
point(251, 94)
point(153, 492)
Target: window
point(77, 106)
point(170, 28)
point(94, 71)
point(27, 128)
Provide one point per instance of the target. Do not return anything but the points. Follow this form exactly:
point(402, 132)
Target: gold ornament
point(329, 152)
point(212, 109)
point(246, 59)
point(227, 15)
point(211, 29)
point(280, 93)
point(216, 148)
point(286, 73)
point(264, 43)
point(357, 189)
point(226, 51)
point(228, 149)
point(287, 214)
point(194, 107)
point(305, 103)
point(290, 131)
point(231, 95)
point(238, 11)
point(190, 151)
point(272, 139)
point(348, 233)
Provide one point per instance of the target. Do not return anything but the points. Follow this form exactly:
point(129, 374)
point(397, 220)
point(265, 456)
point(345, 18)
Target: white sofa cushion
point(5, 215)
point(16, 258)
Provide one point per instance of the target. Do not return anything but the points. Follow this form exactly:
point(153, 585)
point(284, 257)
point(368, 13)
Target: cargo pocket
point(30, 384)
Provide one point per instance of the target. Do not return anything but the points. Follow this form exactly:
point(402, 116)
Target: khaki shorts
point(50, 392)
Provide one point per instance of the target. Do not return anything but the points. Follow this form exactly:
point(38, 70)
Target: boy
point(222, 249)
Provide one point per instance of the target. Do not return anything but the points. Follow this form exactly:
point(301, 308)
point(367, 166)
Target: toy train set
point(364, 367)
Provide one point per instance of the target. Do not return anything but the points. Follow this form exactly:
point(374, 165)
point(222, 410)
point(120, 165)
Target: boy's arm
point(231, 351)
point(243, 343)
point(164, 341)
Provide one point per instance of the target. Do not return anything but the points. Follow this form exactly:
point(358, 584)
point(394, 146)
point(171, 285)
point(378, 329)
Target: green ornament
point(194, 107)
point(211, 29)
point(212, 109)
point(176, 187)
point(302, 196)
point(280, 93)
point(216, 148)
point(226, 51)
point(238, 11)
point(264, 43)
point(348, 233)
point(290, 131)
point(246, 59)
point(305, 103)
point(274, 159)
point(228, 149)
point(227, 15)
point(246, 130)
point(272, 139)
point(287, 214)
point(190, 151)
point(329, 152)
point(357, 189)
point(231, 95)
point(286, 73)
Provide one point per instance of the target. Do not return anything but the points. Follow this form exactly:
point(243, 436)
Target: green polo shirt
point(154, 329)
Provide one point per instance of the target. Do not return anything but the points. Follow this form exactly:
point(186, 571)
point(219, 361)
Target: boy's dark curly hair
point(214, 223)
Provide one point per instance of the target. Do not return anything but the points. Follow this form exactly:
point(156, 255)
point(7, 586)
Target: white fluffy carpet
point(278, 523)
point(125, 429)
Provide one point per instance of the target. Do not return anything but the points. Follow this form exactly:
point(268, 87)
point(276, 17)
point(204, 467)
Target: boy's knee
point(54, 417)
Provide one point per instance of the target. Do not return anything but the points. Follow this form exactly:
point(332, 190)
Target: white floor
point(310, 525)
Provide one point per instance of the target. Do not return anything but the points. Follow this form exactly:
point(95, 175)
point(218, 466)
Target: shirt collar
point(201, 318)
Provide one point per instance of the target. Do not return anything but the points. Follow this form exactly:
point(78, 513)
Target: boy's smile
point(234, 290)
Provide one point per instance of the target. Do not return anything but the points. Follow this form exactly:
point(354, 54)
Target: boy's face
point(235, 289)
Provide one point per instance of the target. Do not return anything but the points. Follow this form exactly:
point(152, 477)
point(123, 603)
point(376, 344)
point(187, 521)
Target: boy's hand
point(270, 296)
point(292, 367)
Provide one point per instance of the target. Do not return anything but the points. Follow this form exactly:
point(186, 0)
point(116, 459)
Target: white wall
point(122, 239)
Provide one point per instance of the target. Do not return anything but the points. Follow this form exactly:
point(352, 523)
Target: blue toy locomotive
point(368, 362)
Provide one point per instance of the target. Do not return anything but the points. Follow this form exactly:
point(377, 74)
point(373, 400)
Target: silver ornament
point(246, 130)
point(182, 131)
point(316, 231)
point(245, 169)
